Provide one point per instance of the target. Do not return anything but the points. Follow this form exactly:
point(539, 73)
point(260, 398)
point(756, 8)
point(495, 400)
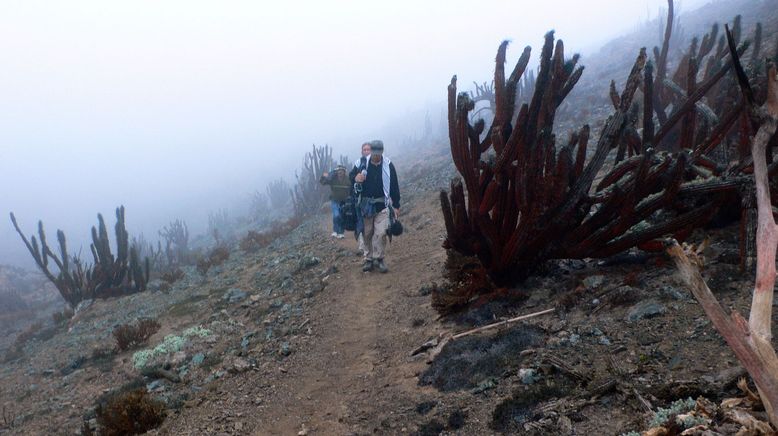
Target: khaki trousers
point(375, 234)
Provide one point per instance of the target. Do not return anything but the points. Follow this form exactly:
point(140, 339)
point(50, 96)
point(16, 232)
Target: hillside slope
point(589, 101)
point(295, 339)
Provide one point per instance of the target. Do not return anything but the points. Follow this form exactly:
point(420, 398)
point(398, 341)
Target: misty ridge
point(171, 173)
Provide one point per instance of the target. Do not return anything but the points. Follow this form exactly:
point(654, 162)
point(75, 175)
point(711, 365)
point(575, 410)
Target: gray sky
point(176, 108)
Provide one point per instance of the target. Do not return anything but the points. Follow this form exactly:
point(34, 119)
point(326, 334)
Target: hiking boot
point(340, 236)
point(379, 263)
point(334, 234)
point(367, 266)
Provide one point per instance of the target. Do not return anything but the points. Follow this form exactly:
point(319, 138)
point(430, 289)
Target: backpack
point(348, 214)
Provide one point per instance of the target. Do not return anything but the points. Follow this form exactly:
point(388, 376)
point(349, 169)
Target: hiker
point(380, 197)
point(360, 165)
point(341, 188)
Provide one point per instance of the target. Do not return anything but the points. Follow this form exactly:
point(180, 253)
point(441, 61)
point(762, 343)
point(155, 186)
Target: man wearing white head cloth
point(380, 193)
point(359, 165)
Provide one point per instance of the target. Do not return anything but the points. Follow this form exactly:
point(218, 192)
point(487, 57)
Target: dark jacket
point(341, 188)
point(373, 186)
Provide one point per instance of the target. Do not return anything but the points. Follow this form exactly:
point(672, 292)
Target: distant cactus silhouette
point(176, 236)
point(278, 194)
point(108, 276)
point(308, 194)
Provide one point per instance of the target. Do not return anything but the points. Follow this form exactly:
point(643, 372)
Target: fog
point(177, 108)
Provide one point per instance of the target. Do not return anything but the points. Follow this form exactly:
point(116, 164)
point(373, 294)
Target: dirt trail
point(349, 369)
point(359, 357)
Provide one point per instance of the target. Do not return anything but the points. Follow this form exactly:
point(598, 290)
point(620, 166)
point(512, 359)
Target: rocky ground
point(296, 339)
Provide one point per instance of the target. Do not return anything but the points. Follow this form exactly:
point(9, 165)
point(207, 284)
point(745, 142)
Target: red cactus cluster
point(524, 197)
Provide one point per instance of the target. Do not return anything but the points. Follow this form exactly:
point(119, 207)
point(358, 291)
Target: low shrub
point(171, 344)
point(215, 257)
point(8, 419)
point(129, 413)
point(16, 350)
point(129, 336)
point(172, 276)
point(253, 241)
point(28, 335)
point(63, 316)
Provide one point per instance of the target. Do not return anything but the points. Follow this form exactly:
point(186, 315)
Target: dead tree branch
point(751, 342)
point(501, 323)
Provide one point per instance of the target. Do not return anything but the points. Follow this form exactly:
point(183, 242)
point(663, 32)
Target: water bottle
point(358, 186)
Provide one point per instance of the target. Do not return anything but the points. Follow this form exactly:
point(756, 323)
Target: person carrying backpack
point(341, 188)
point(379, 203)
point(359, 165)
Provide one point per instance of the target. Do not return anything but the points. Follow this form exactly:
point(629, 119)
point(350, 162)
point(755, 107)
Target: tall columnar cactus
point(108, 276)
point(278, 194)
point(308, 194)
point(719, 121)
point(176, 236)
point(529, 199)
point(702, 69)
point(145, 249)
